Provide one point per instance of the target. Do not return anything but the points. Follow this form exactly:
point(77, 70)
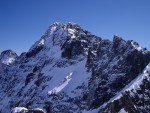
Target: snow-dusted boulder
point(19, 110)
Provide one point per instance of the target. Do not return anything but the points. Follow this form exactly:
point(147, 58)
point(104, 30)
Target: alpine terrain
point(70, 70)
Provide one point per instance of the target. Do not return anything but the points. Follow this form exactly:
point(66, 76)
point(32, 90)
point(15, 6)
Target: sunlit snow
point(8, 61)
point(72, 32)
point(61, 86)
point(137, 47)
point(19, 110)
point(122, 111)
point(41, 42)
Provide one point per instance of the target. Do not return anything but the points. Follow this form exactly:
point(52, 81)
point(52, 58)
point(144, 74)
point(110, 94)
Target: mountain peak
point(70, 70)
point(8, 56)
point(56, 24)
point(72, 25)
point(8, 52)
point(59, 34)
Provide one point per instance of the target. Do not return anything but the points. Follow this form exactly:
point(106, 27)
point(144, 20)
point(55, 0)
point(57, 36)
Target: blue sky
point(22, 22)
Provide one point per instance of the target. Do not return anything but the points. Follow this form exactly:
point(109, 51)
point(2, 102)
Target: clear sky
point(22, 22)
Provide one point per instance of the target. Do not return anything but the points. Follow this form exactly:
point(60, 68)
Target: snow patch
point(136, 46)
point(8, 61)
point(79, 76)
point(72, 32)
point(84, 41)
point(41, 42)
point(61, 86)
point(122, 111)
point(38, 110)
point(19, 110)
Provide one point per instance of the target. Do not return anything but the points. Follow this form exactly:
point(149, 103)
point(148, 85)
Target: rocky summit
point(70, 70)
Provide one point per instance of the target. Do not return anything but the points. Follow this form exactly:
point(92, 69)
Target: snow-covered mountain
point(70, 70)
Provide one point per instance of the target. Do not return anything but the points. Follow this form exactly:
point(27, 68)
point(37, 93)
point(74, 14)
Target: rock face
point(70, 70)
point(135, 98)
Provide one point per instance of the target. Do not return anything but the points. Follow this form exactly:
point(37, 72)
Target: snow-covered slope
point(134, 98)
point(70, 70)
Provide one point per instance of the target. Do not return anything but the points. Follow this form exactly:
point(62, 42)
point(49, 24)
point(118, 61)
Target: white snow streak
point(19, 110)
point(134, 84)
point(61, 86)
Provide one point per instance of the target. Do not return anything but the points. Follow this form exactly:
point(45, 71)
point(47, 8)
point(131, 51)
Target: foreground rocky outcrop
point(135, 98)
